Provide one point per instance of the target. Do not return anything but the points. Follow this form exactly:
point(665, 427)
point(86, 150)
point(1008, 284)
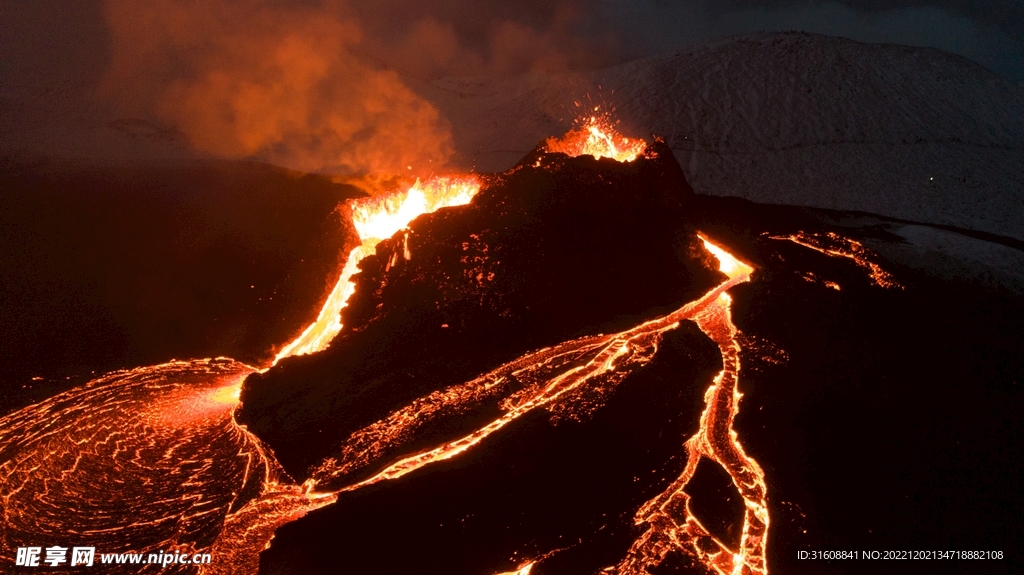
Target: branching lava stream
point(837, 246)
point(152, 459)
point(602, 361)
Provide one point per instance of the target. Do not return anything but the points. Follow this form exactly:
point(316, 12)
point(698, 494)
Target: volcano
point(575, 365)
point(839, 353)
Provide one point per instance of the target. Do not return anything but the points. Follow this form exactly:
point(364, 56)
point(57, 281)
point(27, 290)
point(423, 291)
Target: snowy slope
point(792, 118)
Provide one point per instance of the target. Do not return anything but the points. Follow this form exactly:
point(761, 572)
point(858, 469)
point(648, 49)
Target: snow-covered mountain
point(793, 118)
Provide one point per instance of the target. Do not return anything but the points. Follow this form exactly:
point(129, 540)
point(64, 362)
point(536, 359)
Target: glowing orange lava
point(837, 246)
point(559, 373)
point(376, 219)
point(191, 407)
point(597, 137)
point(157, 426)
point(144, 460)
point(165, 434)
point(162, 441)
point(671, 526)
point(524, 570)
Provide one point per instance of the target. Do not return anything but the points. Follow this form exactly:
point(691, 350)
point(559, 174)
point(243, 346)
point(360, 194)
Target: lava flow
point(837, 246)
point(561, 373)
point(377, 219)
point(159, 441)
point(548, 375)
point(671, 525)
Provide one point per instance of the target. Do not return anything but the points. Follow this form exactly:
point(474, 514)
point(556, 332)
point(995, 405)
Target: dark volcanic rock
point(117, 266)
point(883, 419)
point(529, 489)
point(554, 249)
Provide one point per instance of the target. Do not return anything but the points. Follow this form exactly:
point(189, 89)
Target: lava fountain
point(377, 219)
point(151, 459)
point(596, 136)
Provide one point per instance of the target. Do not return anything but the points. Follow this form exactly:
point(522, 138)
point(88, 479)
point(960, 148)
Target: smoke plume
point(331, 85)
point(322, 85)
point(248, 78)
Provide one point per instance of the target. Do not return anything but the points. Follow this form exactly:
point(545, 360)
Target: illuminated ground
point(876, 401)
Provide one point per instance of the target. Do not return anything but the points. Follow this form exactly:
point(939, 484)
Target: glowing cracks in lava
point(146, 460)
point(596, 137)
point(249, 530)
point(376, 219)
point(837, 246)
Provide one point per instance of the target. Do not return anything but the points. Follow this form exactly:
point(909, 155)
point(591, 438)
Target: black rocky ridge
point(555, 248)
point(882, 418)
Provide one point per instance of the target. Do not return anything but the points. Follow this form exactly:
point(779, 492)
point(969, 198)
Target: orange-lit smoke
point(324, 85)
point(251, 78)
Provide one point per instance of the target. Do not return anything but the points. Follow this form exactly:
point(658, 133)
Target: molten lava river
point(151, 459)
